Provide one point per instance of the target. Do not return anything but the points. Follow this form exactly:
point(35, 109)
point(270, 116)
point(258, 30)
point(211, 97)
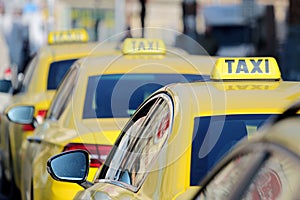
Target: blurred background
point(222, 27)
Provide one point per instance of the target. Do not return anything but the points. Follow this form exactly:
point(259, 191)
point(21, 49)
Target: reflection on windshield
point(57, 71)
point(276, 179)
point(140, 146)
point(215, 136)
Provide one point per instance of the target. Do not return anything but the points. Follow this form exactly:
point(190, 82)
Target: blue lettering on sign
point(242, 66)
point(267, 65)
point(133, 44)
point(256, 66)
point(69, 36)
point(141, 46)
point(150, 45)
point(229, 65)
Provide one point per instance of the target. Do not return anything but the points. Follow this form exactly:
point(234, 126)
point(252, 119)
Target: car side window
point(29, 73)
point(276, 178)
point(140, 143)
point(222, 185)
point(63, 94)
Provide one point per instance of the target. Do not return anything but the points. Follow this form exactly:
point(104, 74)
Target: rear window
point(57, 71)
point(119, 95)
point(214, 136)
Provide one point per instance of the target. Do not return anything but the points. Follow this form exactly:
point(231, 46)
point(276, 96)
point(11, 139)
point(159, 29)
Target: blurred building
point(97, 17)
point(168, 14)
point(290, 59)
point(104, 18)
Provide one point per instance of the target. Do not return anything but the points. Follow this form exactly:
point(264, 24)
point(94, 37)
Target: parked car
point(92, 105)
point(42, 77)
point(181, 131)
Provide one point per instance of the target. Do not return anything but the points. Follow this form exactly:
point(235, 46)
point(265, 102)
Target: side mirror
point(5, 86)
point(21, 114)
point(70, 166)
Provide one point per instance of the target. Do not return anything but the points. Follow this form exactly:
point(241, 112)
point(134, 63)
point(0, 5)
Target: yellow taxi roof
point(75, 50)
point(250, 97)
point(154, 64)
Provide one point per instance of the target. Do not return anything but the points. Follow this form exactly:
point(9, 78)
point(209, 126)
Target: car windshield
point(214, 136)
point(57, 71)
point(119, 95)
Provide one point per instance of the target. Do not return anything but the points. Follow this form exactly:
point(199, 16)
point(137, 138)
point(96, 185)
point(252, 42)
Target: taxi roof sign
point(67, 36)
point(246, 68)
point(140, 46)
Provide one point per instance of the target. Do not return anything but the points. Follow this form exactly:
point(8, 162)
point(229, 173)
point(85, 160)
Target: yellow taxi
point(92, 105)
point(42, 77)
point(264, 167)
point(178, 134)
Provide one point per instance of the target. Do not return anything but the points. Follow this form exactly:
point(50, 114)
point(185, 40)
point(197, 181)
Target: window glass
point(140, 144)
point(63, 94)
point(119, 95)
point(226, 180)
point(29, 72)
point(57, 71)
point(278, 179)
point(214, 136)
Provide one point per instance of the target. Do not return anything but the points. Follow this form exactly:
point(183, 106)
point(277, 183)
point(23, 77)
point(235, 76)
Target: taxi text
point(259, 66)
point(74, 35)
point(143, 46)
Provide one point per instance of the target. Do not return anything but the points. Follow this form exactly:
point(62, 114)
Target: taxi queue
point(42, 77)
point(123, 79)
point(171, 142)
point(180, 139)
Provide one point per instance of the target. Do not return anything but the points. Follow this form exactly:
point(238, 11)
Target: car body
point(42, 77)
point(178, 134)
point(94, 102)
point(264, 167)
